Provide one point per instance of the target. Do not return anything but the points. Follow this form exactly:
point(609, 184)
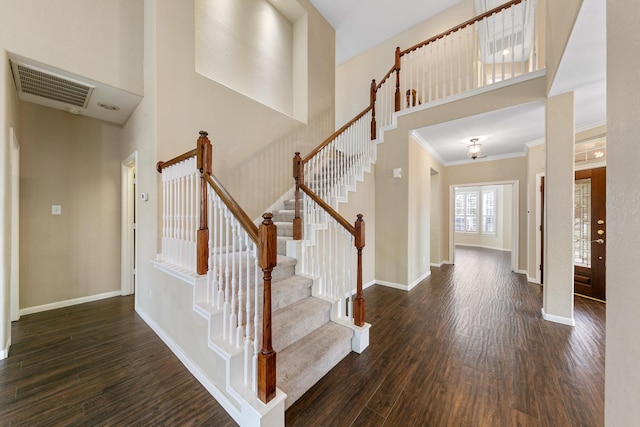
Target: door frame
point(14, 179)
point(515, 235)
point(539, 212)
point(128, 234)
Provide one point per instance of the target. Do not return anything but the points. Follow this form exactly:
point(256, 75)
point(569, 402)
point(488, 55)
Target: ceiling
point(506, 133)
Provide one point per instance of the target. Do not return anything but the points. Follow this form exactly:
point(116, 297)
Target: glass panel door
point(582, 223)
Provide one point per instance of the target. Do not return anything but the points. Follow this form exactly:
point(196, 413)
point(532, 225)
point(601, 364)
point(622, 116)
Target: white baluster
point(247, 333)
point(234, 283)
point(227, 282)
point(256, 335)
point(240, 290)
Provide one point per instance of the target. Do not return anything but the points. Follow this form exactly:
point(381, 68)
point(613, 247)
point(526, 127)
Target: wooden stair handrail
point(161, 165)
point(463, 25)
point(234, 207)
point(324, 205)
point(265, 237)
point(335, 135)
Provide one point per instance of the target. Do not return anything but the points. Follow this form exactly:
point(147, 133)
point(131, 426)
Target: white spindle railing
point(328, 255)
point(231, 284)
point(332, 170)
point(496, 47)
point(180, 199)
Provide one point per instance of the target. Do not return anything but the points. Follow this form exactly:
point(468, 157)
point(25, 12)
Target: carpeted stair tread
point(296, 320)
point(284, 215)
point(304, 363)
point(286, 268)
point(289, 291)
point(284, 229)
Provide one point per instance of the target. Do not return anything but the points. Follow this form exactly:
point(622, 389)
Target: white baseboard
point(533, 279)
point(69, 302)
point(4, 353)
point(192, 367)
point(368, 285)
point(253, 414)
point(558, 319)
point(404, 287)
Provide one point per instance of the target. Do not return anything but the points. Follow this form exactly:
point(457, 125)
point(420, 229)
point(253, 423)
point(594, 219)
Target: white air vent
point(45, 84)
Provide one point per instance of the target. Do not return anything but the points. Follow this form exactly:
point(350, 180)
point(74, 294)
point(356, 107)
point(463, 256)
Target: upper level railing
point(496, 45)
point(205, 231)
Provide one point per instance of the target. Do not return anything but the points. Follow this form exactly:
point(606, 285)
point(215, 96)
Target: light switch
point(397, 172)
point(56, 210)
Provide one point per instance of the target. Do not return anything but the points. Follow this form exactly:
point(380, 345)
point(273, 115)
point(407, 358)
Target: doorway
point(129, 252)
point(589, 233)
point(509, 225)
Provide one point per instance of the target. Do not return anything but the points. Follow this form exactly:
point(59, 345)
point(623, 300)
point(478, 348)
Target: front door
point(589, 233)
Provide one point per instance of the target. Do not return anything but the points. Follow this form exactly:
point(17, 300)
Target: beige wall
point(435, 217)
point(246, 57)
point(419, 213)
point(560, 18)
point(252, 144)
point(622, 376)
point(72, 161)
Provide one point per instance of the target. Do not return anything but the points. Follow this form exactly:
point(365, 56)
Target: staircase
point(307, 342)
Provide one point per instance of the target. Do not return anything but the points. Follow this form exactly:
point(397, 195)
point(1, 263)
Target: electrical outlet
point(56, 210)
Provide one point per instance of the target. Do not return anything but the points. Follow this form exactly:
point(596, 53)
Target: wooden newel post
point(298, 175)
point(204, 157)
point(372, 96)
point(397, 66)
point(267, 259)
point(358, 303)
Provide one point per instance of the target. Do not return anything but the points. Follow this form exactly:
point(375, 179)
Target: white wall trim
point(558, 319)
point(404, 287)
point(192, 367)
point(249, 414)
point(183, 274)
point(129, 214)
point(68, 303)
point(369, 284)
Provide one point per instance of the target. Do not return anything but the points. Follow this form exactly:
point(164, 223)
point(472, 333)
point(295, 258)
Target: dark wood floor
point(98, 364)
point(465, 348)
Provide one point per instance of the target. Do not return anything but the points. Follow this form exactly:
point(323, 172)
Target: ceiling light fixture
point(474, 150)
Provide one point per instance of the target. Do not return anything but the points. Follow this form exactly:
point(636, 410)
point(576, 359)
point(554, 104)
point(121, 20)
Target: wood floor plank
point(467, 347)
point(98, 364)
point(490, 359)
